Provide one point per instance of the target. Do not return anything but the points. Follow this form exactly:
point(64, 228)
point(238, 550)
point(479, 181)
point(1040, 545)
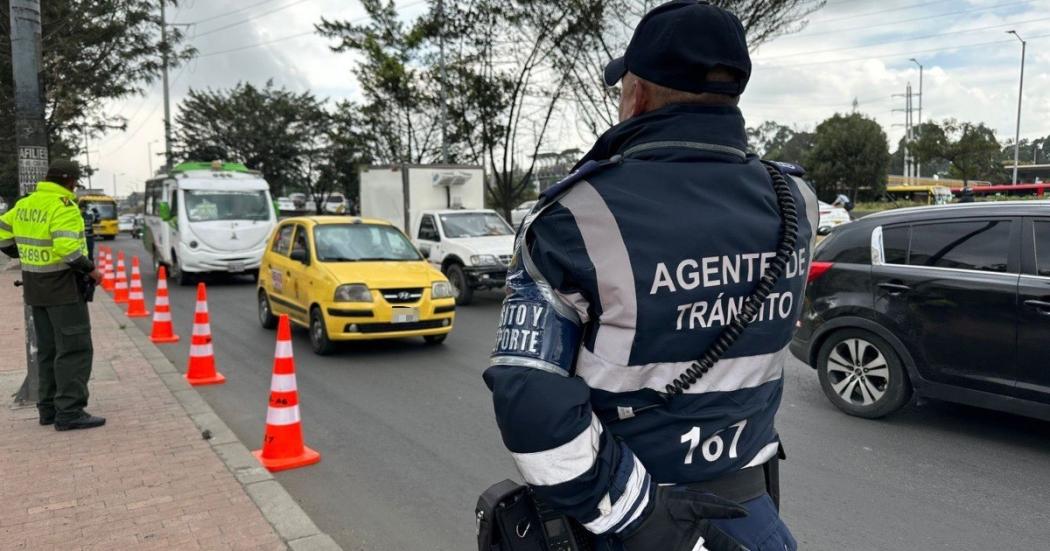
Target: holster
point(772, 470)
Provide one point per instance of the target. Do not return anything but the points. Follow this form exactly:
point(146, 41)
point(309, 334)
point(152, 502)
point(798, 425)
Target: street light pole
point(149, 150)
point(1020, 93)
point(918, 128)
point(164, 76)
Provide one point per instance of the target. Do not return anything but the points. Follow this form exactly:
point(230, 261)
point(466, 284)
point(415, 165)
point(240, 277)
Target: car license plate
point(235, 267)
point(405, 315)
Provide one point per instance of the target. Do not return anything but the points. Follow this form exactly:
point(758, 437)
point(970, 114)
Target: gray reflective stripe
point(4, 226)
point(32, 241)
point(715, 148)
point(6, 242)
point(612, 268)
point(563, 308)
point(72, 257)
point(45, 269)
point(518, 361)
point(812, 207)
point(69, 234)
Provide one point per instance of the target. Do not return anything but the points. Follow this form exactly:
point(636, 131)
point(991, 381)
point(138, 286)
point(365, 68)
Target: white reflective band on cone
point(201, 329)
point(283, 383)
point(136, 295)
point(162, 301)
point(201, 308)
point(282, 416)
point(284, 349)
point(199, 350)
point(162, 284)
point(162, 316)
point(121, 284)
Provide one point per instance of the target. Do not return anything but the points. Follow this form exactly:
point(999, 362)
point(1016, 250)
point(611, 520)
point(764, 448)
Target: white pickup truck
point(441, 208)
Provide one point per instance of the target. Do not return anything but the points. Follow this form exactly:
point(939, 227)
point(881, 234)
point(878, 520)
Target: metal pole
point(444, 98)
point(87, 156)
point(918, 128)
point(164, 74)
point(1020, 93)
point(31, 139)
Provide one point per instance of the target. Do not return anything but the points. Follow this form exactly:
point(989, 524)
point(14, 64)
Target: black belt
point(740, 486)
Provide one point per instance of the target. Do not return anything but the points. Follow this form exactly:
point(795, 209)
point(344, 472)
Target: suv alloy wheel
point(861, 374)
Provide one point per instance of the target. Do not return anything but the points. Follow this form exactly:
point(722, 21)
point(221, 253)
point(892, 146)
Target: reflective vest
point(48, 230)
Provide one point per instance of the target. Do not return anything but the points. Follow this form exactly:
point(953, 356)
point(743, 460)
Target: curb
point(278, 507)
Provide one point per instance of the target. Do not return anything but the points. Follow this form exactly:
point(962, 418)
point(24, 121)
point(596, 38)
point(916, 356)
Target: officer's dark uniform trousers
point(64, 353)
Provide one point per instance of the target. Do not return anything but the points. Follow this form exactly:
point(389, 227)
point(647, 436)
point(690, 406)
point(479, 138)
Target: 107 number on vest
point(712, 448)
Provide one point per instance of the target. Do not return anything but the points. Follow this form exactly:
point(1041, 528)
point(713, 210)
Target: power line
point(252, 18)
point(900, 21)
point(911, 39)
point(227, 14)
point(291, 36)
point(880, 12)
point(147, 117)
point(902, 54)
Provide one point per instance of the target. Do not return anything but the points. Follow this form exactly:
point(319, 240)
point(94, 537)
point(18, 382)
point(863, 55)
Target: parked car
point(126, 223)
point(336, 203)
point(949, 302)
point(520, 212)
point(832, 216)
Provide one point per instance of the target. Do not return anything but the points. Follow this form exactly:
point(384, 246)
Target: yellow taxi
point(347, 278)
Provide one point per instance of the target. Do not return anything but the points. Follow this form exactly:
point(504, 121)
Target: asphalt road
point(408, 441)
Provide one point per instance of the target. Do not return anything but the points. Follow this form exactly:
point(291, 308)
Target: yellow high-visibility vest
point(47, 228)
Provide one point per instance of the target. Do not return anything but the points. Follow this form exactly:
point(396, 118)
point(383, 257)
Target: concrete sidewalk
point(145, 480)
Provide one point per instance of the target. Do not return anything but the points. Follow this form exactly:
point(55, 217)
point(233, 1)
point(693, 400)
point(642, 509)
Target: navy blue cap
point(677, 43)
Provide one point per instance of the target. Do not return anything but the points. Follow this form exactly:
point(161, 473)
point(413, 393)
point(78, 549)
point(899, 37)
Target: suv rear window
point(970, 245)
point(845, 245)
point(1042, 248)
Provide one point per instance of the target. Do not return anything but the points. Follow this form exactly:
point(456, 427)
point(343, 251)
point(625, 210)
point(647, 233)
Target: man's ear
point(642, 98)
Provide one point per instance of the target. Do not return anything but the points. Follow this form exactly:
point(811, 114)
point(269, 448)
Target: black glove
point(678, 520)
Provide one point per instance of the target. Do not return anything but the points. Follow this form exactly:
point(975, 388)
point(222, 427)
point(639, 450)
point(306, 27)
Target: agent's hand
point(679, 521)
point(96, 275)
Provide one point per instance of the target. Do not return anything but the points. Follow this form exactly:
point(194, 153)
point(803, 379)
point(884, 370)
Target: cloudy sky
point(851, 49)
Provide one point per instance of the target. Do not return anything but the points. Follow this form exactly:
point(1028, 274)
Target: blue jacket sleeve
point(543, 410)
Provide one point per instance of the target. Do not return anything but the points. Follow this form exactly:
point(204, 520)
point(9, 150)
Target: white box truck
point(442, 209)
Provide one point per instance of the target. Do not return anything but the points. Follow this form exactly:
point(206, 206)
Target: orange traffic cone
point(100, 259)
point(283, 446)
point(201, 370)
point(120, 288)
point(136, 300)
point(163, 331)
point(108, 277)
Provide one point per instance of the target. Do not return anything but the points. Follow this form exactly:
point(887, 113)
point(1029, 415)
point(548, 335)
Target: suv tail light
point(817, 269)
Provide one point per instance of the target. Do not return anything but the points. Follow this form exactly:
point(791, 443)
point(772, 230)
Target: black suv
point(949, 302)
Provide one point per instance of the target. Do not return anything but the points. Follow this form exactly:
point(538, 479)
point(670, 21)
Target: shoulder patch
point(791, 169)
point(586, 169)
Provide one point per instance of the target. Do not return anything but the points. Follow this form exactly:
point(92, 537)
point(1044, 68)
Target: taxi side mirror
point(164, 210)
point(299, 255)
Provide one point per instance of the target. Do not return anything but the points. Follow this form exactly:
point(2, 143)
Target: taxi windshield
point(106, 210)
point(209, 206)
point(362, 242)
point(474, 224)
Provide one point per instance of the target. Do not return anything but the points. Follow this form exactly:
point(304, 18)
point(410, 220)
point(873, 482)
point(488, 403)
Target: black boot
point(84, 421)
point(47, 415)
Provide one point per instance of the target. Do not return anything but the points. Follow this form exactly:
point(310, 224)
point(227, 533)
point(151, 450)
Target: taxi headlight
point(441, 289)
point(355, 292)
point(484, 260)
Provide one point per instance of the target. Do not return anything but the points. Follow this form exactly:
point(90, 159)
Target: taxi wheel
point(319, 334)
point(266, 317)
point(460, 284)
point(435, 340)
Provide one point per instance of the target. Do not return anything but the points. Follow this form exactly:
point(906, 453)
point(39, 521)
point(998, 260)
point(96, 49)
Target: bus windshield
point(362, 242)
point(210, 206)
point(106, 210)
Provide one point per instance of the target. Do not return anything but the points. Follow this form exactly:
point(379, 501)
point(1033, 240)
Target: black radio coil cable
point(753, 303)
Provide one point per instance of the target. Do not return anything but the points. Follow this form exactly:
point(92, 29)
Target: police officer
point(90, 216)
point(628, 271)
point(45, 231)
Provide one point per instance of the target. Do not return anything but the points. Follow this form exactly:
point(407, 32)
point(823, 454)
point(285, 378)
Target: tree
point(94, 51)
point(400, 108)
point(971, 150)
point(849, 154)
point(290, 137)
point(777, 142)
point(1035, 151)
point(597, 106)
